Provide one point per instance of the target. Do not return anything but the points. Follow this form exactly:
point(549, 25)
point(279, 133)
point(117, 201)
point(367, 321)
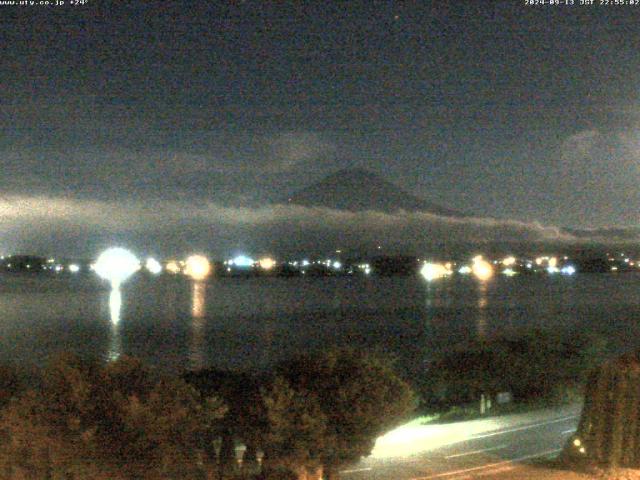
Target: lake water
point(235, 323)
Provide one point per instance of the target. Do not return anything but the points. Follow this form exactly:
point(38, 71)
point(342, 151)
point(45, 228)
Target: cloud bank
point(71, 226)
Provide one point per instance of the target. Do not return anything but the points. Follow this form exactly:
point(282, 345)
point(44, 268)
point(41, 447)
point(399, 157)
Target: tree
point(608, 432)
point(359, 394)
point(48, 430)
point(293, 428)
point(119, 421)
point(241, 392)
point(531, 364)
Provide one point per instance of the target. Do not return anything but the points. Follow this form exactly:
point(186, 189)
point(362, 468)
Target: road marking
point(355, 470)
point(475, 452)
point(490, 465)
point(568, 431)
point(526, 427)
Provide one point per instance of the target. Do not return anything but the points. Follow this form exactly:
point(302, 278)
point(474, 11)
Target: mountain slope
point(359, 189)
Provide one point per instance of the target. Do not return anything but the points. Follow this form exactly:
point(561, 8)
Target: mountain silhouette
point(359, 189)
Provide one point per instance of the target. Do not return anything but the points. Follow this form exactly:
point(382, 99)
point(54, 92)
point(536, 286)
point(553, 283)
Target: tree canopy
point(344, 399)
point(114, 421)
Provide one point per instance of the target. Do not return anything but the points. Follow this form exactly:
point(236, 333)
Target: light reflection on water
point(174, 323)
point(197, 359)
point(115, 307)
point(482, 317)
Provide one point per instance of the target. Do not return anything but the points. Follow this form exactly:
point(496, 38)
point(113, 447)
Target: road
point(466, 450)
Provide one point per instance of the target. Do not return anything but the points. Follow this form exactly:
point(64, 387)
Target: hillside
point(359, 189)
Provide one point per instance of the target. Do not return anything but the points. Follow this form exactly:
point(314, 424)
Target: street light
point(197, 267)
point(239, 451)
point(259, 458)
point(116, 265)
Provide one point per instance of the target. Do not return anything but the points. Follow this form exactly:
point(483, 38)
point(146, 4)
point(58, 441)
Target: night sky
point(172, 125)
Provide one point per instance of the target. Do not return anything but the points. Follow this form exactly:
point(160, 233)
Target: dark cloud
point(174, 227)
point(286, 151)
point(237, 103)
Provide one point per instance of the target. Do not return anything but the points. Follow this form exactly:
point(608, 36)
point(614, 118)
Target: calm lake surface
point(175, 324)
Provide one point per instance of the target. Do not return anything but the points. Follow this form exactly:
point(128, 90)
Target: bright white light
point(509, 272)
point(414, 438)
point(553, 270)
point(568, 270)
point(464, 270)
point(197, 267)
point(432, 271)
point(242, 261)
point(337, 265)
point(116, 265)
point(482, 269)
point(305, 263)
point(153, 266)
point(74, 268)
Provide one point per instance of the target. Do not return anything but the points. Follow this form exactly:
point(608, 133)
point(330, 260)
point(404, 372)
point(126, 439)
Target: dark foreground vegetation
point(608, 434)
point(124, 421)
point(305, 419)
point(533, 367)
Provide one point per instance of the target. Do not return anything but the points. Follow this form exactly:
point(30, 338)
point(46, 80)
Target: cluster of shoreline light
point(623, 258)
point(199, 267)
point(480, 268)
point(118, 264)
point(483, 269)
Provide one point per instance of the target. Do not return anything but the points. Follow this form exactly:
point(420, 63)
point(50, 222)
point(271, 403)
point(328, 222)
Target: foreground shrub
point(532, 365)
point(119, 422)
point(315, 411)
point(294, 427)
point(342, 399)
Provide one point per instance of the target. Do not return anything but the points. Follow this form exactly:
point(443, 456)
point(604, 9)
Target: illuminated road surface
point(473, 449)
